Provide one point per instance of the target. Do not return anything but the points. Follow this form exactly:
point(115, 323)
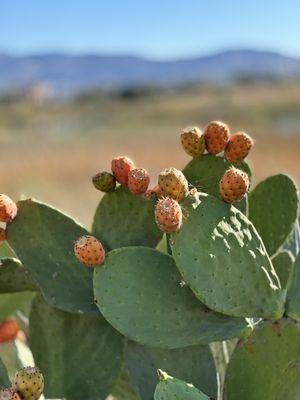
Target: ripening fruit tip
point(234, 185)
point(89, 251)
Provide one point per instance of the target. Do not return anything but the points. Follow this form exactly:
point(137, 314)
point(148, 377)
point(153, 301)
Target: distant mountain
point(69, 74)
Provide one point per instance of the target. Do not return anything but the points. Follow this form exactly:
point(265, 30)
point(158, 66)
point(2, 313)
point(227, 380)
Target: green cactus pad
point(266, 366)
point(205, 171)
point(139, 292)
point(283, 264)
point(14, 277)
point(4, 379)
point(123, 219)
point(80, 356)
point(6, 251)
point(273, 209)
point(292, 243)
point(10, 303)
point(170, 388)
point(293, 295)
point(192, 364)
point(223, 260)
point(123, 389)
point(43, 238)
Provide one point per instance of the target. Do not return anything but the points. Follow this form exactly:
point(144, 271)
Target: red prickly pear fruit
point(104, 181)
point(238, 147)
point(121, 166)
point(233, 185)
point(29, 383)
point(8, 208)
point(89, 251)
point(216, 137)
point(138, 180)
point(8, 330)
point(192, 140)
point(2, 235)
point(168, 215)
point(173, 183)
point(9, 394)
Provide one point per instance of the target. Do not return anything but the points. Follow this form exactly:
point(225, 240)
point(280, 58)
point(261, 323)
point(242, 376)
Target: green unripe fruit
point(193, 141)
point(29, 383)
point(173, 183)
point(104, 181)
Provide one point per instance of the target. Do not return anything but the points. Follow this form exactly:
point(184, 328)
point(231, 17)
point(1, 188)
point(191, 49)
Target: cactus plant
point(171, 291)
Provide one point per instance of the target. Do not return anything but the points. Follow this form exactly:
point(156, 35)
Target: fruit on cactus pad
point(89, 251)
point(2, 235)
point(238, 147)
point(8, 208)
point(234, 184)
point(104, 181)
point(121, 166)
point(9, 394)
point(173, 183)
point(216, 137)
point(168, 215)
point(138, 180)
point(8, 330)
point(29, 383)
point(192, 140)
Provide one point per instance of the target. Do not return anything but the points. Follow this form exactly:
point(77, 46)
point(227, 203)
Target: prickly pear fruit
point(234, 184)
point(2, 235)
point(192, 140)
point(121, 166)
point(89, 251)
point(8, 208)
point(9, 394)
point(238, 147)
point(216, 137)
point(104, 181)
point(8, 330)
point(173, 183)
point(168, 215)
point(154, 192)
point(29, 383)
point(138, 180)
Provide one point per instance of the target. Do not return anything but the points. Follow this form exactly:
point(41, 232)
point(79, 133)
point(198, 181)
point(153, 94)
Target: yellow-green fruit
point(104, 181)
point(193, 141)
point(173, 183)
point(29, 383)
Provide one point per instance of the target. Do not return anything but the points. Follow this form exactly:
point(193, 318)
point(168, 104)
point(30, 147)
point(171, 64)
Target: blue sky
point(161, 29)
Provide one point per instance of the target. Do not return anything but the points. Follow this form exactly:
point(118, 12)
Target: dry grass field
point(50, 151)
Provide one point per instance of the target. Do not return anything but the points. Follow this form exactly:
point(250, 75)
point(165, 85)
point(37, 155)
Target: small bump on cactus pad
point(120, 167)
point(192, 140)
point(265, 366)
point(173, 183)
point(234, 185)
point(104, 181)
point(29, 383)
point(140, 292)
point(170, 388)
point(216, 137)
point(123, 219)
point(89, 251)
point(273, 209)
point(238, 147)
point(8, 208)
point(138, 181)
point(223, 260)
point(168, 215)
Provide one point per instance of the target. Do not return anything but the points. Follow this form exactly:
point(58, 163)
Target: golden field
point(50, 150)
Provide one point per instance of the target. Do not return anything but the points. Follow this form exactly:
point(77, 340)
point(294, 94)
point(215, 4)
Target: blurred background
point(81, 82)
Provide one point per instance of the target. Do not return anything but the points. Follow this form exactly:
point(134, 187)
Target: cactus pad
point(292, 243)
point(140, 292)
point(273, 209)
point(14, 277)
point(43, 239)
point(123, 219)
point(80, 348)
point(192, 364)
point(4, 380)
point(266, 366)
point(293, 296)
point(223, 260)
point(170, 388)
point(12, 302)
point(283, 264)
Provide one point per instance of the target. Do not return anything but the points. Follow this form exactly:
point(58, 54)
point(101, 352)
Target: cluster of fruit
point(28, 384)
point(173, 187)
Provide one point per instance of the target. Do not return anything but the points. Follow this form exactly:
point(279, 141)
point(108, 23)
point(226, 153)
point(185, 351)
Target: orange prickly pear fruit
point(216, 137)
point(89, 251)
point(168, 215)
point(234, 185)
point(138, 180)
point(8, 208)
point(238, 147)
point(121, 166)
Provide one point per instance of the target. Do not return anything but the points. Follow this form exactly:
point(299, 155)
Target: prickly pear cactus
point(4, 379)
